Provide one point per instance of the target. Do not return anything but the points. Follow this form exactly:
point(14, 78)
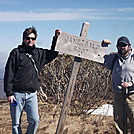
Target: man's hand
point(126, 84)
point(11, 98)
point(57, 32)
point(105, 43)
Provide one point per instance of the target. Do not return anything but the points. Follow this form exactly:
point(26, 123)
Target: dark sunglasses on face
point(122, 45)
point(28, 38)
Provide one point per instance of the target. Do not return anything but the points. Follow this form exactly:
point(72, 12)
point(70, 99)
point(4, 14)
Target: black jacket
point(20, 73)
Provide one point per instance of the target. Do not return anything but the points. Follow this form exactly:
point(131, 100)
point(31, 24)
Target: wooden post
point(70, 89)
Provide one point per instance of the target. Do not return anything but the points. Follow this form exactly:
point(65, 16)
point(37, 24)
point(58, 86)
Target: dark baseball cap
point(123, 40)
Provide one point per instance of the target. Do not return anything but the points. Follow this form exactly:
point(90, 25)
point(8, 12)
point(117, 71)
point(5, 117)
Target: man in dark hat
point(122, 66)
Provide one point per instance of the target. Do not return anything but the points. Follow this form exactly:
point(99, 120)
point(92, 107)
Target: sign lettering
point(80, 47)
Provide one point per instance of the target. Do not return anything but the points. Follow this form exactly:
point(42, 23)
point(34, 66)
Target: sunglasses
point(122, 45)
point(28, 38)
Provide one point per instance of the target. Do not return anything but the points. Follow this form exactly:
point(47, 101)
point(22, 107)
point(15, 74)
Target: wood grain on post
point(70, 89)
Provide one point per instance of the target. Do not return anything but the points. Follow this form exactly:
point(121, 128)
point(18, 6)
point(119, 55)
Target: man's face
point(30, 39)
point(123, 49)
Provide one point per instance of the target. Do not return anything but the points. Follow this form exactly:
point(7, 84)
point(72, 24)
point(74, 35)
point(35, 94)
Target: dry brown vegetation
point(92, 89)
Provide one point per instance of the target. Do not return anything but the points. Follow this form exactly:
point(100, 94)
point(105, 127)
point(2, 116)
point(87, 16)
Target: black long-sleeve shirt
point(20, 73)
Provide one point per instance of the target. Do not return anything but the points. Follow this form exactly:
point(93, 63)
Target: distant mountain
point(2, 94)
point(1, 73)
point(3, 59)
point(2, 65)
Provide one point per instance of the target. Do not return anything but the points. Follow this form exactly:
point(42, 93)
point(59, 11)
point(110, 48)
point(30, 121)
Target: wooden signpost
point(79, 47)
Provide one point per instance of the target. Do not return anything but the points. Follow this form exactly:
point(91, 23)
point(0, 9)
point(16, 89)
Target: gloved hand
point(105, 43)
point(57, 33)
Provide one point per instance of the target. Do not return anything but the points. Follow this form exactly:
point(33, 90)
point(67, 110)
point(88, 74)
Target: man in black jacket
point(21, 79)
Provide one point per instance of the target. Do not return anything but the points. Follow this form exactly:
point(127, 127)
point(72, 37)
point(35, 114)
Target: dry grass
point(49, 116)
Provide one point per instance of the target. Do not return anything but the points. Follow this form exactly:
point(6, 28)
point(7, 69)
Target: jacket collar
point(26, 49)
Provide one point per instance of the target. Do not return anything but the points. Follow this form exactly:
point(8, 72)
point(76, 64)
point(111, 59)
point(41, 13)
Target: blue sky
point(108, 19)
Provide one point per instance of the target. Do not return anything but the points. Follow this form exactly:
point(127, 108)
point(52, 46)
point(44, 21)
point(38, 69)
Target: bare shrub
point(92, 87)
